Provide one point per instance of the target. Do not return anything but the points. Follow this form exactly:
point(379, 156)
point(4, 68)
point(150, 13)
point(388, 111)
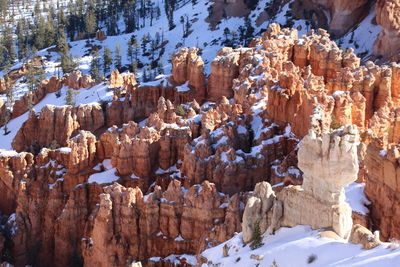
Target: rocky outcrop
point(13, 168)
point(55, 125)
point(361, 235)
point(2, 86)
point(75, 80)
point(174, 183)
point(383, 187)
point(224, 69)
point(162, 223)
point(343, 14)
point(188, 67)
point(118, 80)
point(3, 116)
point(388, 41)
point(322, 191)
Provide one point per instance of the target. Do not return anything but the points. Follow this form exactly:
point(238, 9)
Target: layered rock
point(75, 80)
point(343, 14)
point(162, 223)
point(224, 68)
point(55, 125)
point(282, 87)
point(388, 41)
point(188, 67)
point(118, 80)
point(322, 191)
point(361, 235)
point(383, 187)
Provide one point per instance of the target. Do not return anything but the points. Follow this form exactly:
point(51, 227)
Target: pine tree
point(249, 28)
point(136, 48)
point(67, 63)
point(144, 78)
point(9, 101)
point(256, 237)
point(130, 51)
point(90, 20)
point(117, 57)
point(95, 66)
point(150, 73)
point(70, 97)
point(134, 67)
point(144, 44)
point(34, 76)
point(182, 21)
point(7, 50)
point(107, 60)
point(160, 67)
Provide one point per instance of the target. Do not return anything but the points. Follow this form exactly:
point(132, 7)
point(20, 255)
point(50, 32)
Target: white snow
point(65, 150)
point(90, 96)
point(107, 164)
point(105, 177)
point(179, 238)
point(51, 186)
point(356, 198)
point(7, 153)
point(183, 88)
point(383, 153)
point(293, 247)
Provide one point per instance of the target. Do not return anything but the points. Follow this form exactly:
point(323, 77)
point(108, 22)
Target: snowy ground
point(92, 95)
point(363, 36)
point(296, 247)
point(356, 198)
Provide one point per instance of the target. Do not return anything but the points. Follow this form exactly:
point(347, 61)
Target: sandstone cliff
point(387, 16)
point(321, 193)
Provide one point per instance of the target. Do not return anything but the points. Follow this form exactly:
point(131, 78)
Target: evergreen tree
point(34, 75)
point(9, 101)
point(117, 57)
point(70, 97)
point(67, 63)
point(134, 67)
point(160, 67)
point(145, 78)
point(256, 237)
point(7, 49)
point(130, 51)
point(169, 6)
point(136, 48)
point(144, 44)
point(249, 28)
point(107, 60)
point(95, 66)
point(90, 20)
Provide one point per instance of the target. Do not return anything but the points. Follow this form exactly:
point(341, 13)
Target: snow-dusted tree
point(107, 60)
point(95, 66)
point(70, 97)
point(117, 57)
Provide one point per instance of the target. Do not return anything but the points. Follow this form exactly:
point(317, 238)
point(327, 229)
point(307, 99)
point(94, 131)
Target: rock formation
point(383, 187)
point(361, 235)
point(55, 125)
point(75, 80)
point(387, 16)
point(322, 191)
point(188, 67)
point(154, 173)
point(224, 68)
point(343, 14)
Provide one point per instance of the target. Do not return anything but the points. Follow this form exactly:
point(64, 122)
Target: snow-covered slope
point(300, 246)
point(202, 35)
point(98, 93)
